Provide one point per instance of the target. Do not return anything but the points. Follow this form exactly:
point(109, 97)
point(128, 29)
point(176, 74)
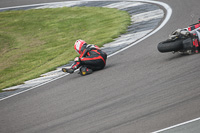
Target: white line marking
point(168, 15)
point(181, 124)
point(34, 87)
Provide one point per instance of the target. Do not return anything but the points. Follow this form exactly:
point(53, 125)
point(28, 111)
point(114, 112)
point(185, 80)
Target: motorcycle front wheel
point(170, 45)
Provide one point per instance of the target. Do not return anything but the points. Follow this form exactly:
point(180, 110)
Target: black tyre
point(170, 45)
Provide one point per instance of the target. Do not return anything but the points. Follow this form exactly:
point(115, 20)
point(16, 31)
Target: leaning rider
point(91, 58)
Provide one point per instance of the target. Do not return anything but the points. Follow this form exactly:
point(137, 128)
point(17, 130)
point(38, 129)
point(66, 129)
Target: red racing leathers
point(91, 57)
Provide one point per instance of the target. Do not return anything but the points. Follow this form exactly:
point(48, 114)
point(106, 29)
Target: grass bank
point(33, 42)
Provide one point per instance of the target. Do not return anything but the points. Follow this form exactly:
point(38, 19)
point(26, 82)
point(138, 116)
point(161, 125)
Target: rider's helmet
point(79, 46)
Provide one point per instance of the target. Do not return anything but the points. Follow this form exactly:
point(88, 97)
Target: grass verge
point(33, 42)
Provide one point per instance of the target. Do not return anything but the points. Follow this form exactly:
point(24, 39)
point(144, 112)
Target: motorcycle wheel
point(170, 46)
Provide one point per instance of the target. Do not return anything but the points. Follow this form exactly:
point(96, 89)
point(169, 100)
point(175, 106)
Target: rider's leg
point(85, 70)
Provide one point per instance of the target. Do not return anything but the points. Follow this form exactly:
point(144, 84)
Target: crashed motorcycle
point(181, 41)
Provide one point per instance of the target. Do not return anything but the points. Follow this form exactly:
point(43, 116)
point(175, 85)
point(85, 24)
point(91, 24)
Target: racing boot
point(85, 71)
point(68, 70)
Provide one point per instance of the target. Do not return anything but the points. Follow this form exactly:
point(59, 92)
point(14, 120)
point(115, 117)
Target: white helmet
point(78, 45)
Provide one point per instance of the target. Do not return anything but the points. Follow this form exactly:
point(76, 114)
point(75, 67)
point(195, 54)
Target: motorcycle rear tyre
point(170, 46)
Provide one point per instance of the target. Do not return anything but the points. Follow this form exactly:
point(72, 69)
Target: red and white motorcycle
point(186, 41)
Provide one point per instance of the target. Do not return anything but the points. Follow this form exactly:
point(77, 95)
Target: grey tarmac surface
point(139, 91)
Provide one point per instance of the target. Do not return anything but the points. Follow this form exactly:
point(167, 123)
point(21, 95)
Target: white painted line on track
point(164, 5)
point(178, 125)
point(34, 87)
point(168, 15)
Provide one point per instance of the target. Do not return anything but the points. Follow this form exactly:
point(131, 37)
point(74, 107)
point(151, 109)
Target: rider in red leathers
point(91, 58)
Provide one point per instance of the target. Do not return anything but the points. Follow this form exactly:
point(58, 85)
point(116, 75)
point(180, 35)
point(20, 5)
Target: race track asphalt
point(139, 91)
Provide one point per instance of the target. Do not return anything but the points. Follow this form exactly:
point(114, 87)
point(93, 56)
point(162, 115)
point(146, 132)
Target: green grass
point(33, 42)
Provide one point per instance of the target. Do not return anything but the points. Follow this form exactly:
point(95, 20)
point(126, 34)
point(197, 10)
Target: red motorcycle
point(185, 41)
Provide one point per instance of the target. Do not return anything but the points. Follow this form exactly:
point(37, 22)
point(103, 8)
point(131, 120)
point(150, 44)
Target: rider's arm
point(75, 65)
point(84, 53)
point(77, 61)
